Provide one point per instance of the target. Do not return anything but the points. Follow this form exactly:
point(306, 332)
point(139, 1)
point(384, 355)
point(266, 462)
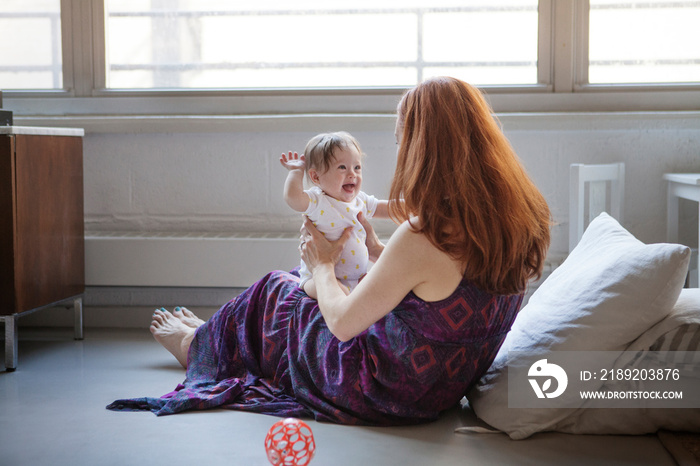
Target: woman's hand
point(317, 250)
point(374, 246)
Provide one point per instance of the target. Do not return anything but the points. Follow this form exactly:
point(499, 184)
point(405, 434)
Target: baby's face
point(343, 179)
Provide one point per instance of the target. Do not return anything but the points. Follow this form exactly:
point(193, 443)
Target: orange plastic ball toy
point(290, 442)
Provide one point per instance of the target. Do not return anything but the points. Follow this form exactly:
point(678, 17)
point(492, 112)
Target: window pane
point(484, 45)
point(644, 42)
point(316, 43)
point(30, 44)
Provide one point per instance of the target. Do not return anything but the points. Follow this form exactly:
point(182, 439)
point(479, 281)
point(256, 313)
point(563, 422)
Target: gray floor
point(52, 413)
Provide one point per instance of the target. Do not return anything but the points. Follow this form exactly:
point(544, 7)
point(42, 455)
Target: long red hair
point(457, 173)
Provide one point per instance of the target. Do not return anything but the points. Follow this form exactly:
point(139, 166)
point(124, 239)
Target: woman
point(422, 326)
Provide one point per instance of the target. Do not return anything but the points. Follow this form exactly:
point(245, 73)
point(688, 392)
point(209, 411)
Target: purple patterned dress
point(270, 351)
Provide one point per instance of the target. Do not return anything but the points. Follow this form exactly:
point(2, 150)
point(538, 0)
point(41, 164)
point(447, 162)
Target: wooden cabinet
point(42, 239)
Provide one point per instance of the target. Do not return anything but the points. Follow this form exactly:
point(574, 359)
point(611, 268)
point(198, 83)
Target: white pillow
point(610, 289)
point(679, 331)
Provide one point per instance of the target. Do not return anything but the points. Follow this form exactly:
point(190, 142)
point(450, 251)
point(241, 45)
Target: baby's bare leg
point(310, 288)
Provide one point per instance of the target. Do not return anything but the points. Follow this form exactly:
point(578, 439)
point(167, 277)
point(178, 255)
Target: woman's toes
point(193, 319)
point(164, 323)
point(172, 333)
point(187, 317)
point(159, 317)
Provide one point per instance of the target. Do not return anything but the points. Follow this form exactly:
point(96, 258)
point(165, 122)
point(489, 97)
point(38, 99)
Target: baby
point(333, 163)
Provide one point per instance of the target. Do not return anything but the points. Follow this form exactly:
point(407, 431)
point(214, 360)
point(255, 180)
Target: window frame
point(562, 81)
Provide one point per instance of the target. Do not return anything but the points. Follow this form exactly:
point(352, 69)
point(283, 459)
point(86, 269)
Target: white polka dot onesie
point(332, 217)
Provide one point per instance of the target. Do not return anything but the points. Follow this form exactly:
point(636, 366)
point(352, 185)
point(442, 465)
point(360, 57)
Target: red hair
point(457, 173)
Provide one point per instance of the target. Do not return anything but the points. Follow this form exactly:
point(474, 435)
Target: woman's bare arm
point(408, 262)
point(374, 246)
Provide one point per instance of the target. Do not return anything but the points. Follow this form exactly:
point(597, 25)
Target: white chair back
point(597, 177)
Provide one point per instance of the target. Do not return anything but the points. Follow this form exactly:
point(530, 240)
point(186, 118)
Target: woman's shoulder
point(440, 273)
point(412, 225)
point(408, 235)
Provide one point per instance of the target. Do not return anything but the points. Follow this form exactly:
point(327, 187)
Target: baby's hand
point(293, 161)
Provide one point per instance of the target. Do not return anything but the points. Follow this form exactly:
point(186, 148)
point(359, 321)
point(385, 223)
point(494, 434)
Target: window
point(30, 44)
point(644, 42)
point(217, 57)
point(316, 43)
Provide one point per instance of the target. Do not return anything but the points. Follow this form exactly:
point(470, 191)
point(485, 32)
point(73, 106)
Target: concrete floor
point(52, 412)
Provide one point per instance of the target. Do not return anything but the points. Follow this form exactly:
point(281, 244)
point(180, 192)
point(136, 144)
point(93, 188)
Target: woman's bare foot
point(187, 317)
point(173, 334)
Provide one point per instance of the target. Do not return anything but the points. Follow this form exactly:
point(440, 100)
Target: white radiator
point(185, 260)
point(198, 260)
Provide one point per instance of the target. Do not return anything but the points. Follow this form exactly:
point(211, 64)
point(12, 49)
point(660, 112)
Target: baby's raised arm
point(382, 209)
point(294, 193)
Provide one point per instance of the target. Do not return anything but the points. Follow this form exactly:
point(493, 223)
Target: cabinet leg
point(10, 343)
point(78, 315)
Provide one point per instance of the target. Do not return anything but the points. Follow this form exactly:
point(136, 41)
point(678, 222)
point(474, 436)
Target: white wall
point(224, 180)
point(650, 144)
point(221, 174)
point(226, 177)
